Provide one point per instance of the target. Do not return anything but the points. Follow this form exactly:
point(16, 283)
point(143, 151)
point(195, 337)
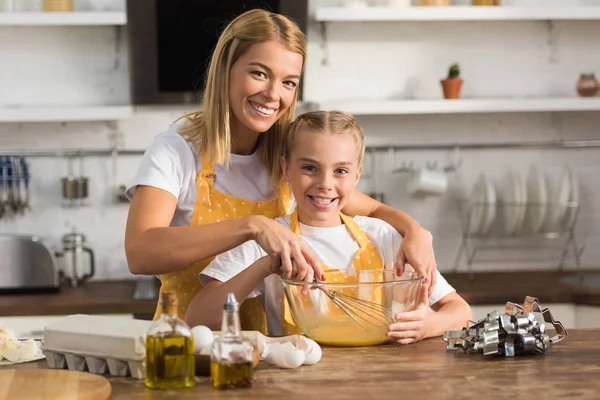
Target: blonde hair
point(209, 129)
point(326, 123)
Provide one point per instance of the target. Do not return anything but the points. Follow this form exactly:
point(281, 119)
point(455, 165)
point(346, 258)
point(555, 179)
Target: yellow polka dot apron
point(365, 259)
point(213, 206)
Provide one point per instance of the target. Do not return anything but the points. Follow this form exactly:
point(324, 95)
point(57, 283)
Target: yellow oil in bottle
point(170, 362)
point(231, 354)
point(231, 375)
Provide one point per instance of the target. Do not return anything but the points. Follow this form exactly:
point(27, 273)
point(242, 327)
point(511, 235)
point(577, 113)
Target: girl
point(213, 180)
point(322, 163)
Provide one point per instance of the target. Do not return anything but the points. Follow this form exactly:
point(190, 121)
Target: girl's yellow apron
point(213, 206)
point(366, 258)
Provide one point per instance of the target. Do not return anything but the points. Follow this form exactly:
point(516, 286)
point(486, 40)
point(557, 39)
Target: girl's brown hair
point(327, 123)
point(209, 129)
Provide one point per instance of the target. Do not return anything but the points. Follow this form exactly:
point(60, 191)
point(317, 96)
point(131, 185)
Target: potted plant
point(453, 83)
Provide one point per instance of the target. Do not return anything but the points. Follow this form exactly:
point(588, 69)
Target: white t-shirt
point(335, 247)
point(170, 164)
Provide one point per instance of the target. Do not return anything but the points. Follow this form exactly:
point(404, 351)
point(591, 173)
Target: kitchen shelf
point(455, 13)
point(65, 114)
point(63, 18)
point(460, 106)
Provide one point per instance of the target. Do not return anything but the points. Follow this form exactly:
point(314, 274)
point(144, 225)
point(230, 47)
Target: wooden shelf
point(462, 106)
point(65, 114)
point(63, 18)
point(455, 13)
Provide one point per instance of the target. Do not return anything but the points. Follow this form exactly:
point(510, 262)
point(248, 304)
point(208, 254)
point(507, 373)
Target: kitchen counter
point(111, 297)
point(98, 297)
point(425, 370)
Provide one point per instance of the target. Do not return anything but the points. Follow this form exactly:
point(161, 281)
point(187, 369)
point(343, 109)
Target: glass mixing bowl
point(361, 308)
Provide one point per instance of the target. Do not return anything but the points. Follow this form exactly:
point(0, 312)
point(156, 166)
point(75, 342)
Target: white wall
point(76, 65)
point(390, 60)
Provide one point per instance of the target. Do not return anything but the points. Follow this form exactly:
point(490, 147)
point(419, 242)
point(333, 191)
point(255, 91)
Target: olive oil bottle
point(169, 349)
point(231, 353)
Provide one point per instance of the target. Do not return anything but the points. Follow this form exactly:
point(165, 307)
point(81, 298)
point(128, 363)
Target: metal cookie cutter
point(521, 330)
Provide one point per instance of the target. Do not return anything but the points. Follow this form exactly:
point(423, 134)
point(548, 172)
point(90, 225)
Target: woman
point(213, 181)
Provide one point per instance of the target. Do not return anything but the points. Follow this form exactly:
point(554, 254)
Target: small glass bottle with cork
point(231, 353)
point(170, 362)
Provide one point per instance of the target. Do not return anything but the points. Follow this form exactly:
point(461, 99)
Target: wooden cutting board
point(55, 384)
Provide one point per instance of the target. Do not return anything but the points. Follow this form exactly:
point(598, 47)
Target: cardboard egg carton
point(98, 344)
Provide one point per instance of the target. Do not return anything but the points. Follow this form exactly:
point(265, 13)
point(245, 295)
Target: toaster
point(27, 264)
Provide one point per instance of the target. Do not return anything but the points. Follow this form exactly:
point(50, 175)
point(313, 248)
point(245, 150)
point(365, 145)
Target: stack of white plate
point(482, 207)
point(552, 206)
point(515, 200)
point(545, 205)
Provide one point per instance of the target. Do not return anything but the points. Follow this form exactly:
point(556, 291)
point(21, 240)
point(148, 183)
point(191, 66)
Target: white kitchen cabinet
point(32, 327)
point(587, 316)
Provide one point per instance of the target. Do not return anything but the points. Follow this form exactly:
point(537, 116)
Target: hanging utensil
point(15, 184)
point(24, 184)
point(81, 183)
point(3, 191)
point(6, 195)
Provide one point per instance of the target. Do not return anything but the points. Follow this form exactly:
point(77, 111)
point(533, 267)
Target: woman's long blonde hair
point(209, 129)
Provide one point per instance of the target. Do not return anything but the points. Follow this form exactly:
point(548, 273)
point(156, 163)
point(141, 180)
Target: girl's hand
point(412, 325)
point(297, 260)
point(416, 249)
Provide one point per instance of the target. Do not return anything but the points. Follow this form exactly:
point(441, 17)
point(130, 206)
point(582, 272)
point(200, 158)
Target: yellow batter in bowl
point(322, 320)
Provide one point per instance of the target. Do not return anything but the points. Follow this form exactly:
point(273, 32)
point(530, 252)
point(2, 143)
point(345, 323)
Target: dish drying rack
point(514, 228)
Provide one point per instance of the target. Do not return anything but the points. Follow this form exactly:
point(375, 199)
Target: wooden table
point(425, 370)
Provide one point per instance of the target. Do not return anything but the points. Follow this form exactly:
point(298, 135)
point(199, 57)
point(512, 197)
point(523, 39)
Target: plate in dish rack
point(39, 355)
point(477, 206)
point(490, 206)
point(537, 199)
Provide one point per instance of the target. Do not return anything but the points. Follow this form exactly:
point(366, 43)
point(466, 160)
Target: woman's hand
point(412, 326)
point(296, 259)
point(416, 249)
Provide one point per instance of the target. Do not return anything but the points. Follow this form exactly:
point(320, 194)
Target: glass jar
point(231, 354)
point(485, 2)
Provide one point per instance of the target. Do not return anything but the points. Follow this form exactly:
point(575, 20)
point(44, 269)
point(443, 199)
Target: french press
point(74, 264)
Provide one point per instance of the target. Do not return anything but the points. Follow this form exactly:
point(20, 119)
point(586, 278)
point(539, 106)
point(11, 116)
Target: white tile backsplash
point(75, 65)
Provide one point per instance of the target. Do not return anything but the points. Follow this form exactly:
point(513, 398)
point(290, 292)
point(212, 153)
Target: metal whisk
point(364, 312)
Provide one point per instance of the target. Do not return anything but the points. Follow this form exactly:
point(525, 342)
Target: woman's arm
point(361, 204)
point(206, 308)
point(417, 244)
point(153, 247)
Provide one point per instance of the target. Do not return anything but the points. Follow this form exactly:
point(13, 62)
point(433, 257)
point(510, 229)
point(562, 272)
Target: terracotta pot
point(588, 85)
point(451, 88)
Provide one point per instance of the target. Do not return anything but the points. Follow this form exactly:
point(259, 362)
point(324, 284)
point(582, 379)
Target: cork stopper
point(169, 302)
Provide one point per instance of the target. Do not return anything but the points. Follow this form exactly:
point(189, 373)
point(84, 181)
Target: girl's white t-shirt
point(170, 164)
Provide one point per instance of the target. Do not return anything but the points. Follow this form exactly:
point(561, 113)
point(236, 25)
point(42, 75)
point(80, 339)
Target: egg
point(311, 349)
point(203, 337)
point(285, 355)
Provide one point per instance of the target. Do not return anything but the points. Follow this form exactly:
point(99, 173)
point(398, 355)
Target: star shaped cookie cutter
point(520, 330)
